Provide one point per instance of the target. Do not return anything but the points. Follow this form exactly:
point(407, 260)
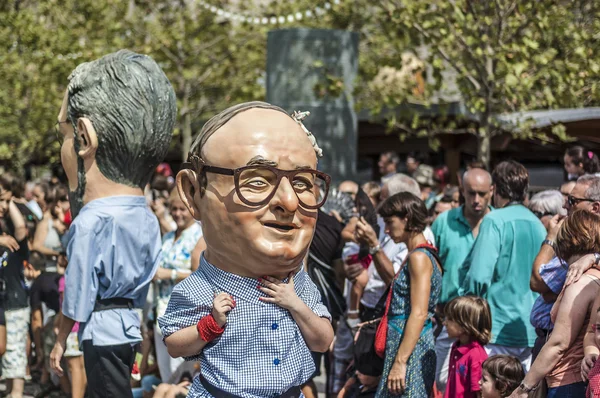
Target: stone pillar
point(298, 60)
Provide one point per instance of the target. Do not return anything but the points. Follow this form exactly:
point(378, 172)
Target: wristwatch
point(526, 389)
point(373, 250)
point(596, 259)
point(549, 243)
point(174, 275)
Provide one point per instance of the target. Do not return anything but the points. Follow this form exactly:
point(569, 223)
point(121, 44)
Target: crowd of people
point(246, 275)
point(475, 283)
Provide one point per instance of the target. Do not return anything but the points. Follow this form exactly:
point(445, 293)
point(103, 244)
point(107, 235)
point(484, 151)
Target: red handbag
point(381, 334)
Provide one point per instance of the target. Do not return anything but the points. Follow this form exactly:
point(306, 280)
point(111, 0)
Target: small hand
point(282, 294)
point(56, 357)
point(59, 226)
point(554, 225)
point(587, 364)
point(364, 233)
point(353, 270)
point(222, 304)
point(578, 268)
point(9, 242)
point(159, 208)
point(396, 381)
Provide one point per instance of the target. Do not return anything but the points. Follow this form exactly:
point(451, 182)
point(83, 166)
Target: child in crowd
point(502, 374)
point(468, 319)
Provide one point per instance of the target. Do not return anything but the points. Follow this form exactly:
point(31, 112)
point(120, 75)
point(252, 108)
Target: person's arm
point(186, 341)
point(481, 263)
point(348, 231)
point(167, 274)
point(590, 349)
point(420, 271)
point(572, 310)
point(64, 328)
point(536, 282)
point(18, 221)
point(36, 328)
point(580, 266)
point(316, 330)
point(197, 253)
point(41, 231)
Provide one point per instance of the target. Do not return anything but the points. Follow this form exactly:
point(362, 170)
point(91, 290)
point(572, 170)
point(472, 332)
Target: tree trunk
point(186, 136)
point(186, 123)
point(484, 146)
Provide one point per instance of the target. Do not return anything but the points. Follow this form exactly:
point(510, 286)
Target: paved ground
point(33, 390)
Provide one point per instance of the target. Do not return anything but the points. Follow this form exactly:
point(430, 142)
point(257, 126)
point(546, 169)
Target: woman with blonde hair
point(560, 359)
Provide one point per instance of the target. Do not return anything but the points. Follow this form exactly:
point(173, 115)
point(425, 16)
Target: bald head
point(224, 118)
point(477, 190)
point(474, 176)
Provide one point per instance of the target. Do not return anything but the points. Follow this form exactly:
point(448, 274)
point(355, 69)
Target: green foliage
point(506, 56)
point(210, 62)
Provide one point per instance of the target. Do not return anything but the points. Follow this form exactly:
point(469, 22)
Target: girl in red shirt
point(469, 321)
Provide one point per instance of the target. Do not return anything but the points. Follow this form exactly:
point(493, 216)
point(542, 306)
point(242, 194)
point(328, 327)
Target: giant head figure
point(252, 181)
point(116, 120)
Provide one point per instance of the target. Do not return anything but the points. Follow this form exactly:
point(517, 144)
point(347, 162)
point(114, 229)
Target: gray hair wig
point(593, 183)
point(132, 106)
point(402, 183)
point(549, 201)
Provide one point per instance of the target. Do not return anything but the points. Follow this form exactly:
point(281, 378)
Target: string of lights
point(272, 20)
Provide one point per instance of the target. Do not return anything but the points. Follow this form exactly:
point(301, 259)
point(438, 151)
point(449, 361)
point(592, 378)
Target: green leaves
point(501, 56)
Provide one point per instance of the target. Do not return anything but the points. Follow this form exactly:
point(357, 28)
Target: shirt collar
point(463, 349)
point(459, 215)
point(120, 200)
point(239, 286)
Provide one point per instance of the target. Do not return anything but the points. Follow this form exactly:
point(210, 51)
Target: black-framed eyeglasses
point(256, 185)
point(540, 214)
point(573, 201)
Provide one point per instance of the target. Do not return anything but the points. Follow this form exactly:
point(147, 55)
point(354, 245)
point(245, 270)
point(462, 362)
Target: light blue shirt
point(262, 352)
point(554, 275)
point(113, 251)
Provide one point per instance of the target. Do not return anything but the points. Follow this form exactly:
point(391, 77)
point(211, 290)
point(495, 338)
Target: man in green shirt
point(455, 232)
point(499, 266)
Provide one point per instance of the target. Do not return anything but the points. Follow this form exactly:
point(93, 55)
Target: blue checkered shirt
point(554, 274)
point(262, 352)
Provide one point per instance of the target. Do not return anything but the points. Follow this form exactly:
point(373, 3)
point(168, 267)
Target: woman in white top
point(175, 265)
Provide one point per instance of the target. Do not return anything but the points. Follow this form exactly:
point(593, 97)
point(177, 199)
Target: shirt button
point(274, 326)
point(276, 361)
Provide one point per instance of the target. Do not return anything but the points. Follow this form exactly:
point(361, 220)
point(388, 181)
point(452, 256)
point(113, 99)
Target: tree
point(505, 55)
point(211, 62)
point(43, 43)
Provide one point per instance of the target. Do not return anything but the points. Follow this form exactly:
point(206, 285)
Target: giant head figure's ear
point(88, 140)
point(189, 191)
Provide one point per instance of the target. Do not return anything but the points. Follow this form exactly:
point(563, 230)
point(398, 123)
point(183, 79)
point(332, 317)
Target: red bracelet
point(209, 329)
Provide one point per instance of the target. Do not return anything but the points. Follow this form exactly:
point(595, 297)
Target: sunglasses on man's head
point(573, 201)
